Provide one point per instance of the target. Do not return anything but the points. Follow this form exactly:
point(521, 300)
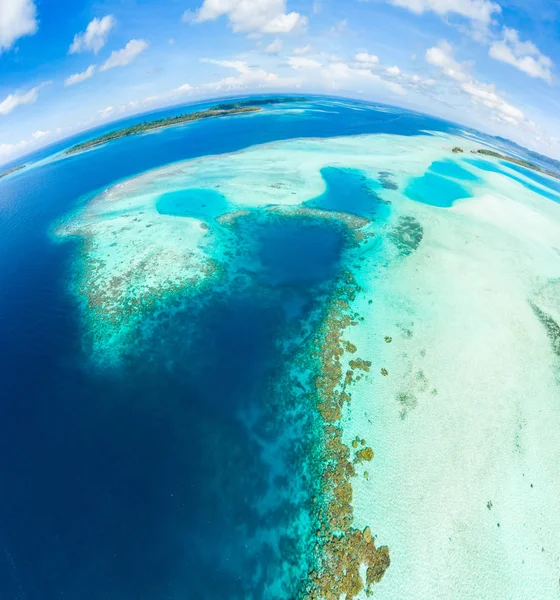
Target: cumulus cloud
point(39, 135)
point(79, 77)
point(248, 77)
point(16, 99)
point(393, 71)
point(274, 47)
point(483, 94)
point(487, 95)
point(524, 56)
point(366, 60)
point(338, 74)
point(106, 112)
point(8, 150)
point(302, 62)
point(441, 56)
point(249, 16)
point(123, 57)
point(480, 12)
point(301, 51)
point(17, 19)
point(94, 37)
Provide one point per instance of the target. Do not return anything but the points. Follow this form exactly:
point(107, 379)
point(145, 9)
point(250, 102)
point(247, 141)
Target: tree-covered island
point(219, 110)
point(517, 161)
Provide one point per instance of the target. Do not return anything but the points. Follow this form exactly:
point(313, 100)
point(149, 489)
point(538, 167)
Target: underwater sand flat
point(464, 481)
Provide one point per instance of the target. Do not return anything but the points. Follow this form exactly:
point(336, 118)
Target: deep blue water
point(295, 253)
point(169, 478)
point(486, 165)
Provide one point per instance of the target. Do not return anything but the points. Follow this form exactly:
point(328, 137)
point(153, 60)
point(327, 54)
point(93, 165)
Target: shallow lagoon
point(436, 190)
point(196, 203)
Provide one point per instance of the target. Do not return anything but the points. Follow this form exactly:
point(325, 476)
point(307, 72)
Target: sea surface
point(192, 469)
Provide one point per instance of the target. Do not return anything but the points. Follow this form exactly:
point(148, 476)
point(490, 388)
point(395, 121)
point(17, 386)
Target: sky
point(70, 65)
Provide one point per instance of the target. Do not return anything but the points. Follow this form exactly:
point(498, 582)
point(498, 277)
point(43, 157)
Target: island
point(12, 170)
point(219, 110)
point(517, 161)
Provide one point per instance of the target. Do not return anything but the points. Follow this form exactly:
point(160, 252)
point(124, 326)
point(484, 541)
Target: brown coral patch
point(341, 548)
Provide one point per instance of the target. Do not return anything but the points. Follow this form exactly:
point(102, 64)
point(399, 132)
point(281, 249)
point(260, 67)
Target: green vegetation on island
point(517, 161)
point(12, 170)
point(457, 149)
point(219, 110)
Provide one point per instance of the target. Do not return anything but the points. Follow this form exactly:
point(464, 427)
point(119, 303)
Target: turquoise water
point(349, 191)
point(449, 168)
point(196, 203)
point(486, 165)
point(435, 190)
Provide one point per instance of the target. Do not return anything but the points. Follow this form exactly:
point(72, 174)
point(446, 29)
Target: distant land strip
point(12, 170)
point(511, 159)
point(219, 110)
point(518, 161)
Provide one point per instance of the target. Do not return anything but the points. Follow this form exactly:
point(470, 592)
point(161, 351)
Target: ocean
point(161, 436)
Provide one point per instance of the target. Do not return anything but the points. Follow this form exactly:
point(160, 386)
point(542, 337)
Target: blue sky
point(66, 66)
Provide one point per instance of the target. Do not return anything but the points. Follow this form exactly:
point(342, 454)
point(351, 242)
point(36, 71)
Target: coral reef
point(341, 549)
point(406, 235)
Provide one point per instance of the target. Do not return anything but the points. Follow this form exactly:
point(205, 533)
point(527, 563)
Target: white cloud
point(249, 77)
point(12, 101)
point(246, 16)
point(524, 56)
point(79, 77)
point(441, 56)
point(341, 74)
point(480, 12)
point(302, 62)
point(337, 74)
point(123, 57)
point(39, 135)
point(17, 19)
point(275, 47)
point(480, 93)
point(487, 95)
point(301, 51)
point(106, 112)
point(393, 71)
point(366, 59)
point(165, 97)
point(94, 37)
point(7, 150)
